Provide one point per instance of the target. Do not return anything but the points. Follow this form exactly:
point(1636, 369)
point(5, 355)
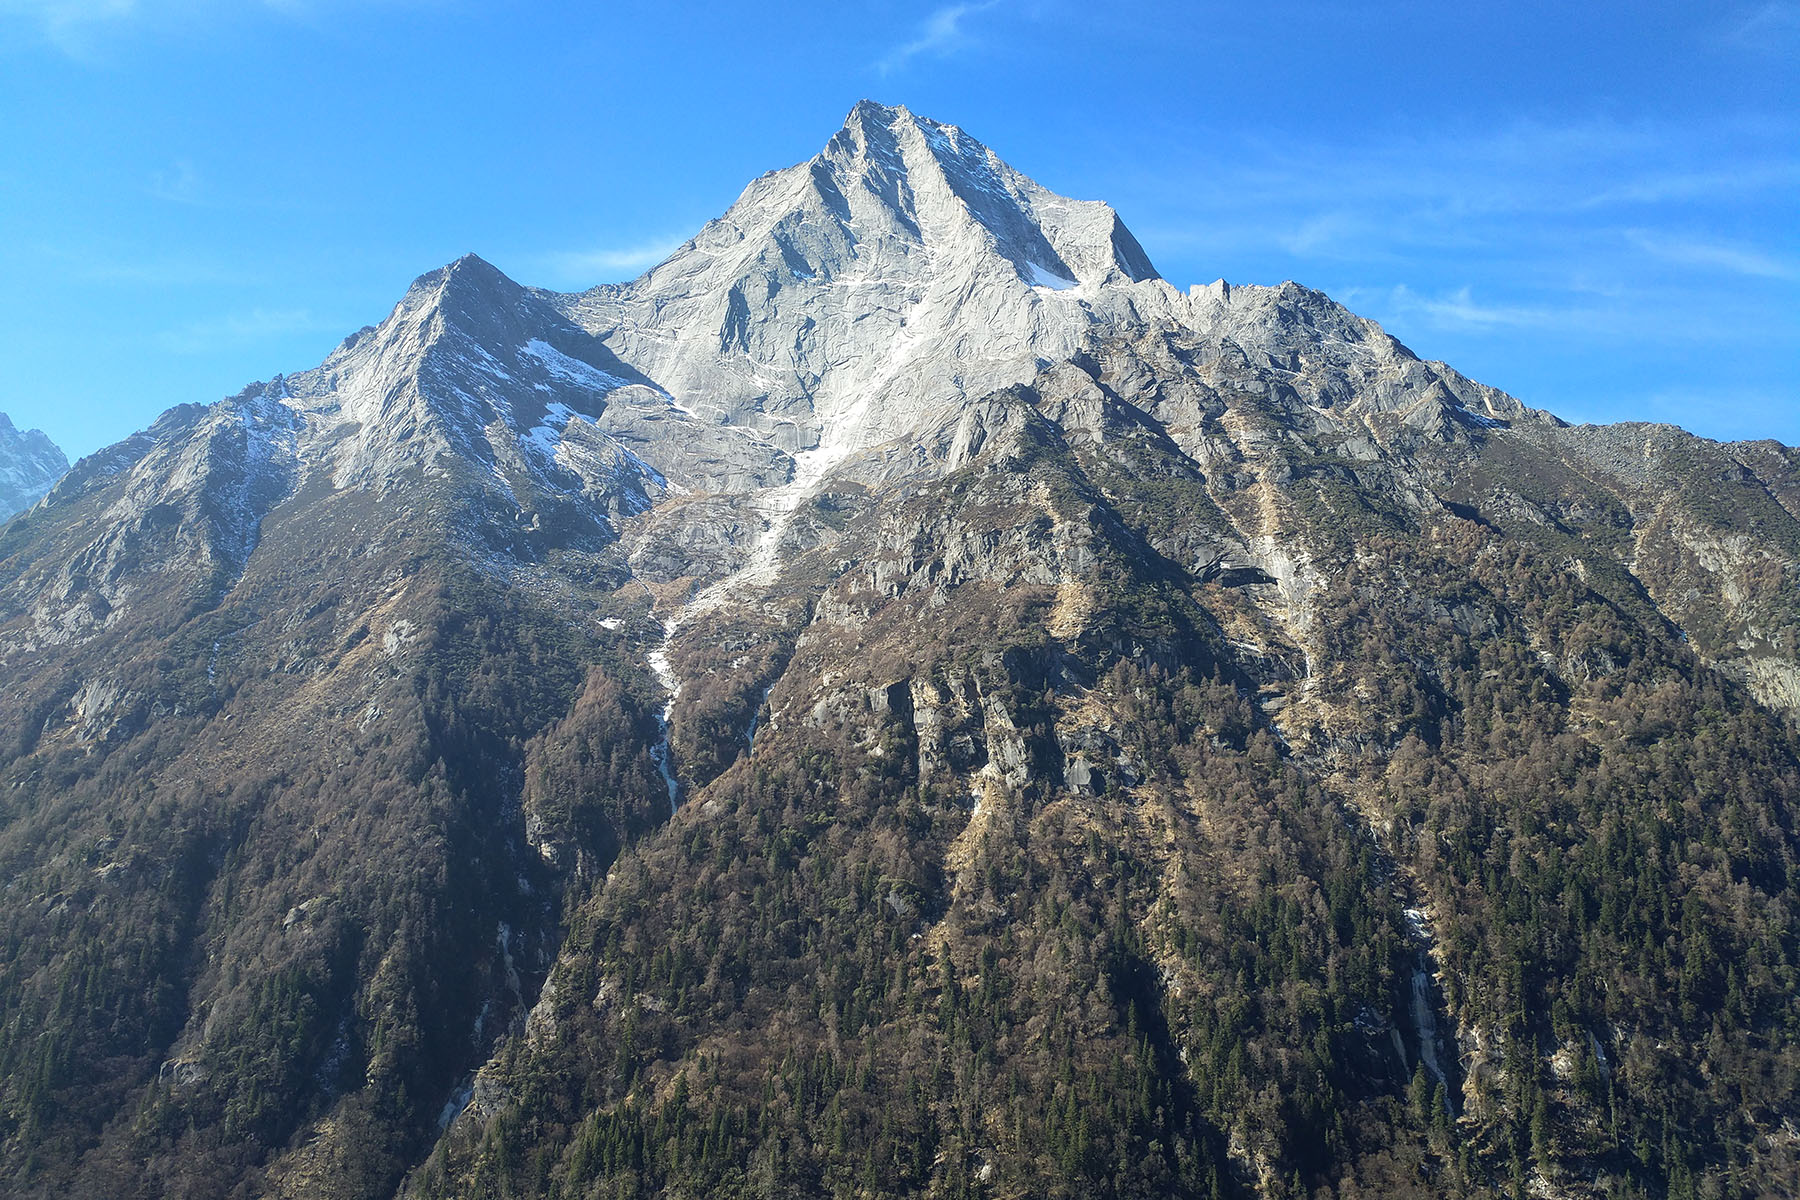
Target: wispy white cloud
point(65, 12)
point(178, 182)
point(80, 27)
point(1734, 183)
point(604, 264)
point(1725, 412)
point(113, 262)
point(941, 34)
point(69, 24)
point(53, 13)
point(1721, 256)
point(1772, 28)
point(240, 329)
point(1459, 308)
point(1328, 234)
point(1647, 233)
point(1561, 316)
point(1525, 170)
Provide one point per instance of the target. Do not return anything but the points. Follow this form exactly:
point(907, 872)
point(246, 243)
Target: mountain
point(899, 700)
point(29, 464)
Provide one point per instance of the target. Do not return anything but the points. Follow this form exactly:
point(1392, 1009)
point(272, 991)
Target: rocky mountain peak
point(955, 189)
point(858, 296)
point(469, 368)
point(468, 292)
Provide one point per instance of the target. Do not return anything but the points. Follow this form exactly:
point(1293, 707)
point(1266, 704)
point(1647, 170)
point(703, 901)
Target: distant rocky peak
point(29, 463)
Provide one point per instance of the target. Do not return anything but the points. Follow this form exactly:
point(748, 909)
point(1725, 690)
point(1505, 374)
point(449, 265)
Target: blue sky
point(1593, 206)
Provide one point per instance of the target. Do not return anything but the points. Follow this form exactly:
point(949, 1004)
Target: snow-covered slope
point(29, 463)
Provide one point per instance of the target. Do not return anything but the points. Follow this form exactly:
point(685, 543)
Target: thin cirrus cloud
point(53, 14)
point(1729, 412)
point(241, 329)
point(179, 183)
point(941, 34)
point(1567, 316)
point(1720, 256)
point(1534, 249)
point(113, 262)
point(69, 25)
point(80, 28)
point(1772, 29)
point(77, 27)
point(1526, 170)
point(585, 268)
point(1543, 212)
point(1456, 309)
point(1746, 180)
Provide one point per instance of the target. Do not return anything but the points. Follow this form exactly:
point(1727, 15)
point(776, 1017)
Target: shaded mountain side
point(898, 701)
point(1065, 863)
point(280, 890)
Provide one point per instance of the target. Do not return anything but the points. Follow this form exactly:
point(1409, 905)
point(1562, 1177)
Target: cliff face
point(898, 700)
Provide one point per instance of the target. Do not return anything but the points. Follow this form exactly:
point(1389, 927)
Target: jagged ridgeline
point(899, 701)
